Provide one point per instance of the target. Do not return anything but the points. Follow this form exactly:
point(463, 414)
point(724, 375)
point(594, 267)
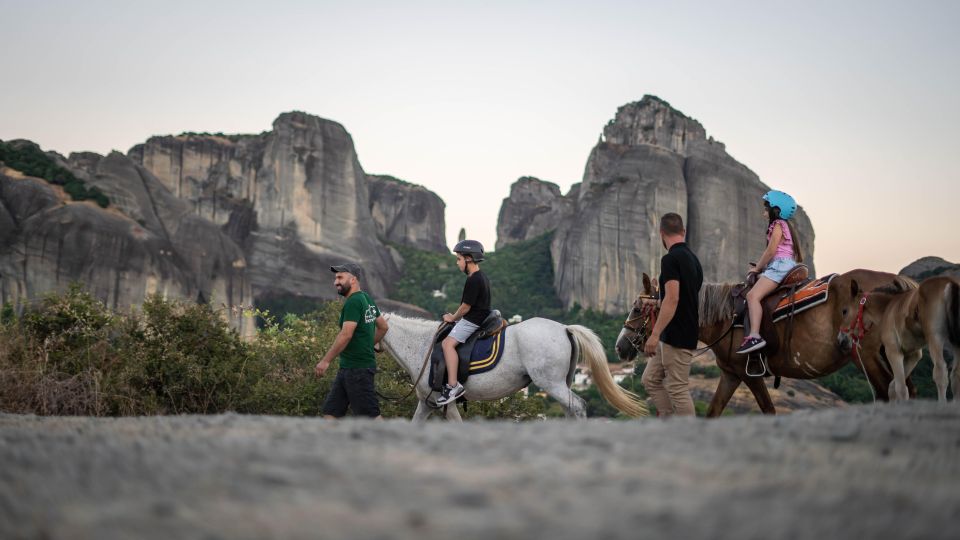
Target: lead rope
point(423, 368)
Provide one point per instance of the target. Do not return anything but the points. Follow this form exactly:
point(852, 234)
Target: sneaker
point(751, 344)
point(450, 394)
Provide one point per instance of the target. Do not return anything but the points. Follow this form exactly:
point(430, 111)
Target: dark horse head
point(639, 323)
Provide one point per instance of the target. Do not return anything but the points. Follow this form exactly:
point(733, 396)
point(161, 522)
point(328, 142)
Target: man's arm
point(382, 328)
point(339, 344)
point(668, 308)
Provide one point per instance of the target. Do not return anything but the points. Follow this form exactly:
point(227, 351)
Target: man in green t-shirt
point(362, 326)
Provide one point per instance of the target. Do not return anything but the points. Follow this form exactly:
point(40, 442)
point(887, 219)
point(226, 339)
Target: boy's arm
point(457, 315)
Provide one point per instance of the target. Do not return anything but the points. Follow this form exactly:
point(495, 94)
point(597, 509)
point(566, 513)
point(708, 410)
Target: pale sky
point(852, 107)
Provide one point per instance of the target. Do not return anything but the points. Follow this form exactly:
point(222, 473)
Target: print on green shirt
point(360, 309)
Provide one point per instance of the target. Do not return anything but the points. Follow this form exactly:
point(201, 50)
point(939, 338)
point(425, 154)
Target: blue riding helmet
point(786, 203)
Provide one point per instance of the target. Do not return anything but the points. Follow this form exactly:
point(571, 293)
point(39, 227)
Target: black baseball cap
point(349, 267)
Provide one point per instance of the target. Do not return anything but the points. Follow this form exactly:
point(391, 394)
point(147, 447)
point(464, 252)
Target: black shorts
point(353, 387)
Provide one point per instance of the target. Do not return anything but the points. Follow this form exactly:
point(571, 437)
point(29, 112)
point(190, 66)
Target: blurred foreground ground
point(857, 472)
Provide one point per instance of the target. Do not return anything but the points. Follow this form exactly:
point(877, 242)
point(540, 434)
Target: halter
point(648, 316)
point(856, 332)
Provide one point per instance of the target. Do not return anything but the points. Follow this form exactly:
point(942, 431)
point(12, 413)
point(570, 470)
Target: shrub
point(29, 159)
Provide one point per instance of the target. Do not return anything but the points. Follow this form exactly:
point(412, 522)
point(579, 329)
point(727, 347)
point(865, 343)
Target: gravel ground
point(879, 471)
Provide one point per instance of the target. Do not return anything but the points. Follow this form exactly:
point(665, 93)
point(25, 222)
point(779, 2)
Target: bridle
point(643, 322)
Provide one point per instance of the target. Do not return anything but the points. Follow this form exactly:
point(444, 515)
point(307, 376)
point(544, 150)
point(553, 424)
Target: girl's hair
point(773, 214)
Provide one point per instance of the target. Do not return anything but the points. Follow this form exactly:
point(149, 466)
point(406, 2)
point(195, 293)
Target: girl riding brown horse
point(812, 351)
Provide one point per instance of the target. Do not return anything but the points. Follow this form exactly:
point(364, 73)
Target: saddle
point(795, 279)
point(493, 325)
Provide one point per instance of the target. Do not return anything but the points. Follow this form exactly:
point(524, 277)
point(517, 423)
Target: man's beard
point(342, 290)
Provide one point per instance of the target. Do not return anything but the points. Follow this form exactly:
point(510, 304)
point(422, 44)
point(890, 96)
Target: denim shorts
point(463, 330)
point(778, 268)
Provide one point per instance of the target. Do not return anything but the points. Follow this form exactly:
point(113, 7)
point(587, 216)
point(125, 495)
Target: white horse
point(538, 350)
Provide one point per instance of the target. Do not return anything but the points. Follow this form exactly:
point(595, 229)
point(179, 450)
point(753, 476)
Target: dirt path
point(858, 472)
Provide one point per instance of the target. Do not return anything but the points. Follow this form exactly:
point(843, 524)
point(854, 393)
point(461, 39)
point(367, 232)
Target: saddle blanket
point(810, 295)
point(487, 352)
point(484, 355)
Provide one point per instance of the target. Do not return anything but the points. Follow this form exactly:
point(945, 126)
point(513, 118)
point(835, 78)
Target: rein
point(423, 369)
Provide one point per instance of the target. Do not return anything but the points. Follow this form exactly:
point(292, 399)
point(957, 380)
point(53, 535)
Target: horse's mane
point(394, 316)
point(716, 303)
point(900, 284)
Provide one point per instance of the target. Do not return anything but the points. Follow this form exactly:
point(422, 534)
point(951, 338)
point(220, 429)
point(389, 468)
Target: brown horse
point(812, 353)
point(907, 317)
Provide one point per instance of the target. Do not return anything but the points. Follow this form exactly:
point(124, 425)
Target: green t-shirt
point(360, 309)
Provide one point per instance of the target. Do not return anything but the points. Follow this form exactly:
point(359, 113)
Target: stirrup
point(763, 365)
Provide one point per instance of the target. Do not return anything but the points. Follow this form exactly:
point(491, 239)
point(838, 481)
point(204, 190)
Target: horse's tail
point(592, 350)
point(953, 313)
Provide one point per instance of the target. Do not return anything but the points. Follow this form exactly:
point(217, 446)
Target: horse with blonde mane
point(907, 318)
point(812, 351)
point(537, 350)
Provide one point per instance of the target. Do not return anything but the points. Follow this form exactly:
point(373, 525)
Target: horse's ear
point(854, 288)
point(647, 287)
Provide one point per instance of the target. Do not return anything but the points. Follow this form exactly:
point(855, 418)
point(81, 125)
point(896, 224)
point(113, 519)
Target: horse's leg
point(759, 388)
point(899, 384)
point(725, 388)
point(955, 377)
point(422, 413)
point(573, 405)
point(935, 345)
point(453, 413)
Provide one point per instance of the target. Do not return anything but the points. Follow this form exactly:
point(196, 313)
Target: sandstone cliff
point(407, 214)
point(296, 198)
point(146, 242)
point(653, 159)
point(533, 208)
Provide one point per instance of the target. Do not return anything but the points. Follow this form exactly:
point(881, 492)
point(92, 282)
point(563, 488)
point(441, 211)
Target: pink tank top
point(785, 249)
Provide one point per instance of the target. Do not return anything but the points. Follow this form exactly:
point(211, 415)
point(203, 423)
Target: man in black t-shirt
point(474, 308)
point(674, 336)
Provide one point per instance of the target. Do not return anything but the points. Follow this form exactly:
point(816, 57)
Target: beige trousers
point(667, 380)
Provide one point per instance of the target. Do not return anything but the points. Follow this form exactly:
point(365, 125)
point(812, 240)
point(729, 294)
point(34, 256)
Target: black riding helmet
point(470, 247)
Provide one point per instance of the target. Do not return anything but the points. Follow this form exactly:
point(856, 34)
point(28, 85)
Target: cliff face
point(653, 160)
point(296, 199)
point(407, 214)
point(146, 242)
point(213, 218)
point(533, 208)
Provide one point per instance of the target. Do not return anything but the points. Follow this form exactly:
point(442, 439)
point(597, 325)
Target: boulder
point(926, 267)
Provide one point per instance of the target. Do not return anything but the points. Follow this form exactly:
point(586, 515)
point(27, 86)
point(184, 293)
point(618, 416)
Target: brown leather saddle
point(796, 278)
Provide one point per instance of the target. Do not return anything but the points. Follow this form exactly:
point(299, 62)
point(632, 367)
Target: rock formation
point(926, 267)
point(406, 213)
point(296, 198)
point(221, 218)
point(652, 160)
point(147, 241)
point(533, 208)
